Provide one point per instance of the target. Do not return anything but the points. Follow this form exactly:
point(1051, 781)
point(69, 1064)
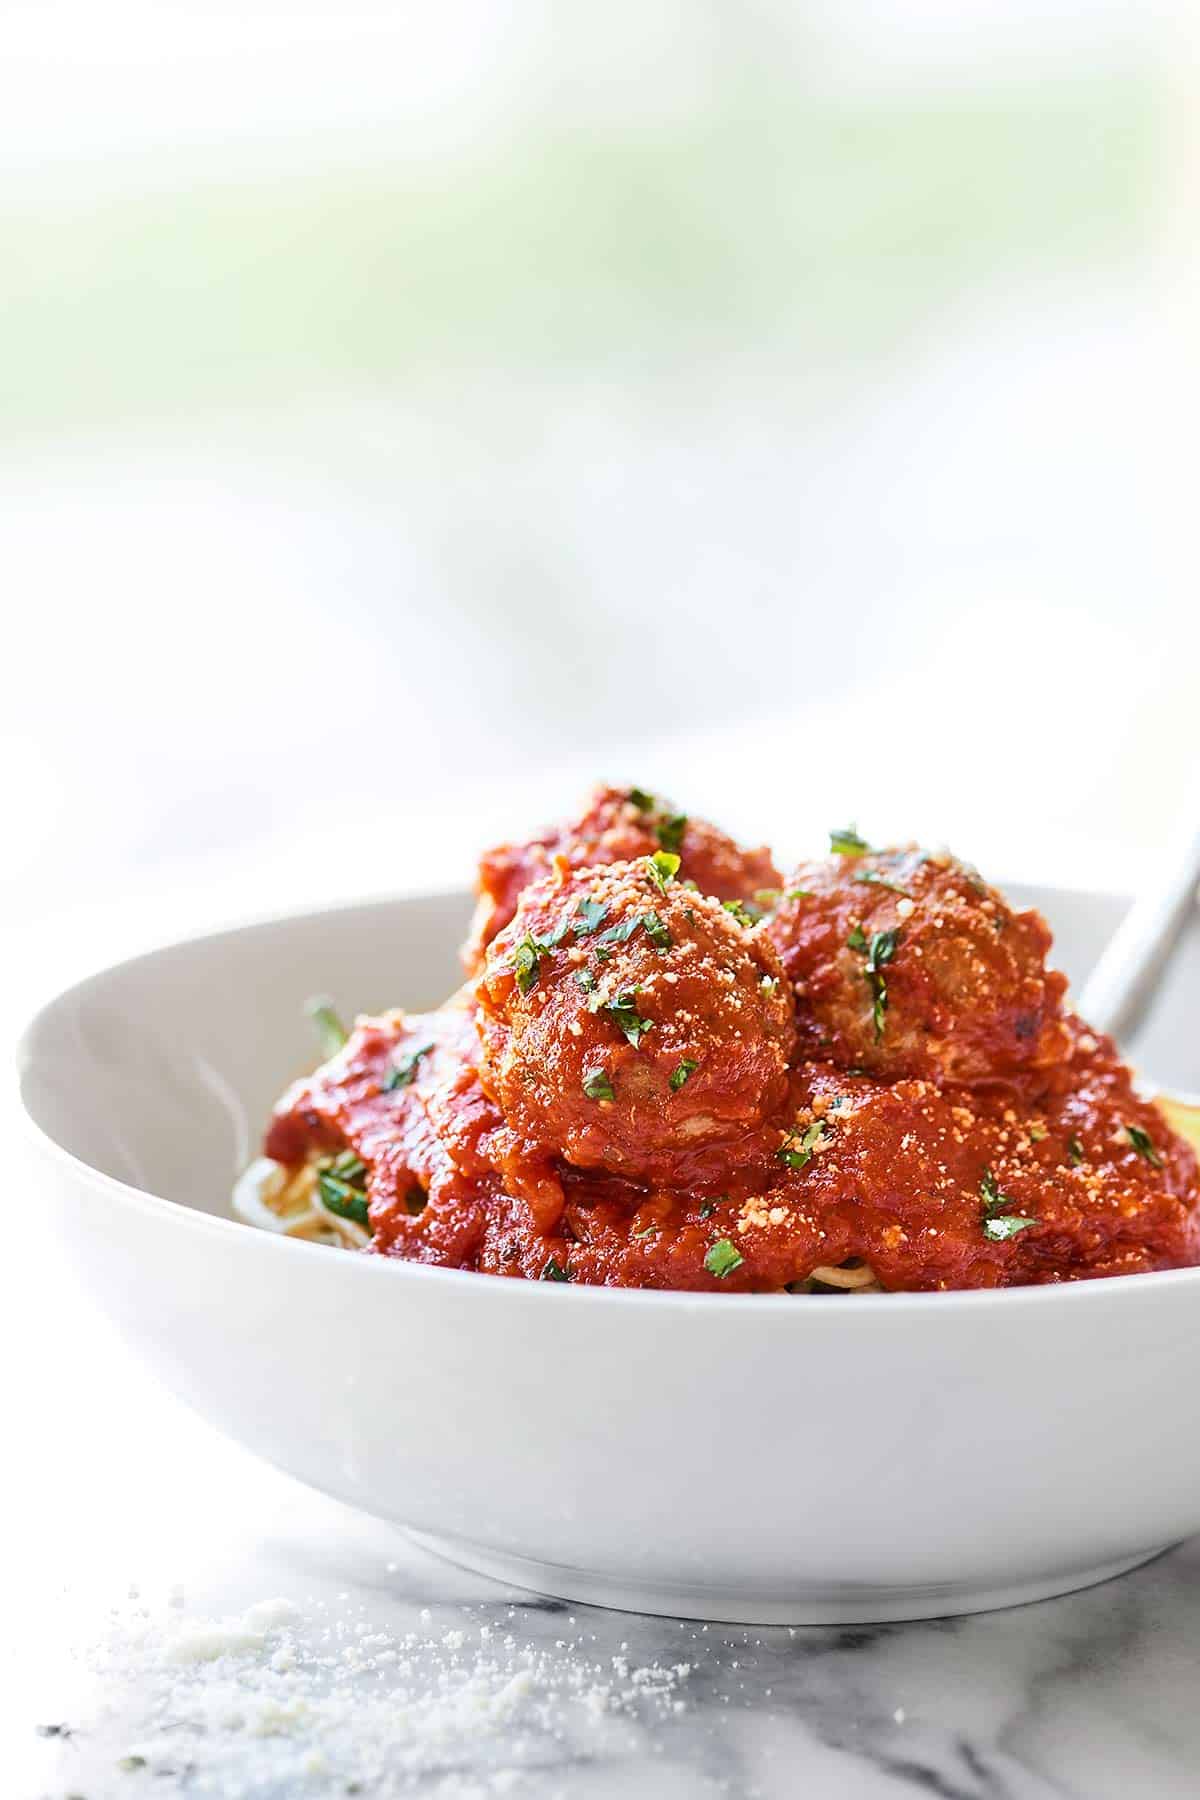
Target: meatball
point(908, 964)
point(626, 1018)
point(617, 825)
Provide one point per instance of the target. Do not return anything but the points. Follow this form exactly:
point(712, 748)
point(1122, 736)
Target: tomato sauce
point(647, 1086)
point(900, 1179)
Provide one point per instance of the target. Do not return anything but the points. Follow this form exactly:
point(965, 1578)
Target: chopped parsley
point(624, 1014)
point(554, 1271)
point(669, 831)
point(722, 1259)
point(797, 1149)
point(990, 1192)
point(998, 1225)
point(529, 952)
point(586, 980)
point(799, 894)
point(662, 868)
point(1143, 1143)
point(641, 799)
point(869, 878)
point(526, 964)
point(744, 911)
point(1006, 1226)
point(656, 931)
point(404, 1068)
point(646, 1231)
point(331, 1033)
point(597, 1086)
point(682, 1073)
point(341, 1186)
point(708, 1209)
point(593, 913)
point(879, 951)
point(848, 843)
point(883, 949)
point(1074, 1152)
point(619, 934)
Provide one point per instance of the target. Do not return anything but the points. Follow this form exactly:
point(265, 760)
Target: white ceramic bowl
point(750, 1458)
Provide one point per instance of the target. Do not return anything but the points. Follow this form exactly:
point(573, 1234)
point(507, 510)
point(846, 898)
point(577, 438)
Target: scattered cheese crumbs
point(324, 1700)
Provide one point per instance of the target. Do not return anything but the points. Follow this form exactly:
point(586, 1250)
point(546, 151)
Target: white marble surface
point(129, 1519)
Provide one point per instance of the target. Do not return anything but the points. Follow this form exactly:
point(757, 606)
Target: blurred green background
point(405, 417)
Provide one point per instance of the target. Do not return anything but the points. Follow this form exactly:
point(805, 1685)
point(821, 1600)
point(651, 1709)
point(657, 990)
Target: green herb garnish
point(529, 952)
point(597, 1086)
point(646, 1231)
point(708, 1209)
point(1143, 1143)
point(880, 952)
point(1074, 1152)
point(641, 799)
point(681, 1074)
point(848, 843)
point(586, 980)
point(340, 1184)
point(526, 964)
point(799, 894)
point(656, 931)
point(554, 1271)
point(1005, 1226)
point(670, 830)
point(619, 934)
point(797, 1149)
point(990, 1194)
point(998, 1226)
point(744, 911)
point(883, 949)
point(404, 1068)
point(592, 912)
point(331, 1033)
point(869, 878)
point(662, 868)
point(624, 1014)
point(722, 1259)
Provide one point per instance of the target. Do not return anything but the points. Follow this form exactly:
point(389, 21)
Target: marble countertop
point(181, 1619)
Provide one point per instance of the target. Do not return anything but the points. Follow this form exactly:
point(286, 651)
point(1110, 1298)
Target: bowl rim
point(1093, 1291)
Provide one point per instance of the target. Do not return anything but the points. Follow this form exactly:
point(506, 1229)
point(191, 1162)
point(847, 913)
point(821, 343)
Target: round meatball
point(617, 825)
point(906, 963)
point(626, 1018)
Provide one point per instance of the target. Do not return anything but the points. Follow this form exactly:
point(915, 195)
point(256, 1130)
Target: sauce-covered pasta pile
point(672, 1067)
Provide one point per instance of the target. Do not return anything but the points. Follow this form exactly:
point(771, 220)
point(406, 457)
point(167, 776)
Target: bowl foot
point(833, 1603)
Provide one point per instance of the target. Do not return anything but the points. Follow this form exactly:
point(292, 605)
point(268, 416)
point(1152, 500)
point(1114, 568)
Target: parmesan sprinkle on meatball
point(906, 963)
point(626, 1018)
point(616, 825)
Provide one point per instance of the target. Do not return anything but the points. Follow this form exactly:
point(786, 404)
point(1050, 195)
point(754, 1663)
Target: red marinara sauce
point(634, 1094)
